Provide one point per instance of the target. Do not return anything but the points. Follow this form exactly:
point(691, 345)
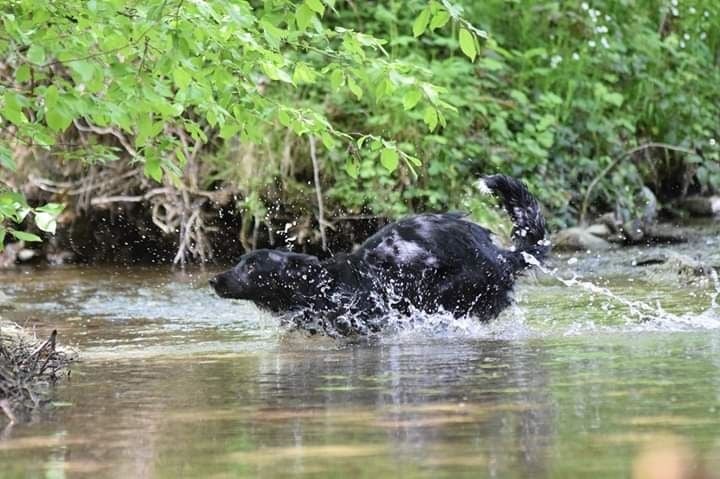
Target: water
point(570, 383)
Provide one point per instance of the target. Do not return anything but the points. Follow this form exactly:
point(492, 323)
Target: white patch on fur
point(407, 251)
point(277, 258)
point(410, 251)
point(483, 187)
point(424, 227)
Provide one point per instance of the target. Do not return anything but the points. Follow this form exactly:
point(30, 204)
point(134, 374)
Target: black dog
point(427, 262)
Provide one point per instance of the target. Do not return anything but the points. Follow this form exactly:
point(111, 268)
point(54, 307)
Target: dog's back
point(438, 261)
point(446, 262)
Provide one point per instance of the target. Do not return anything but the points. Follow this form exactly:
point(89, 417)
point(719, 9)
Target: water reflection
point(428, 409)
point(670, 457)
point(175, 383)
point(488, 399)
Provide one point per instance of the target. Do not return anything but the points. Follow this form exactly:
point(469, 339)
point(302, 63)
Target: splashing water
point(511, 325)
point(414, 324)
point(641, 312)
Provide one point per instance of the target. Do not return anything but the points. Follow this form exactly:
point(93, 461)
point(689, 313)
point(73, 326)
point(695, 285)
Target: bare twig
point(103, 200)
point(107, 131)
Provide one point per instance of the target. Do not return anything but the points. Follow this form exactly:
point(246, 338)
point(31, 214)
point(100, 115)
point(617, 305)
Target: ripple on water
point(156, 311)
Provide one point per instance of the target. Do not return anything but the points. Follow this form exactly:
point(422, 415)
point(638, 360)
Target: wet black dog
point(427, 262)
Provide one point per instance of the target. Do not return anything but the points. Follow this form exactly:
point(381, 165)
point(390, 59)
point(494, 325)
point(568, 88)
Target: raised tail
point(528, 233)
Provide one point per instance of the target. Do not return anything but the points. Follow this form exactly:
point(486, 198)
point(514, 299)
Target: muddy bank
point(128, 235)
point(140, 232)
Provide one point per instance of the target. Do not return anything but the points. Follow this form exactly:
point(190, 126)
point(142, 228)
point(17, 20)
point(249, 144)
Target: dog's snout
point(213, 281)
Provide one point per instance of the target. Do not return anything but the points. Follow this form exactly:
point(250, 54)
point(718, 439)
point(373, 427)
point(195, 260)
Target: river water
point(174, 382)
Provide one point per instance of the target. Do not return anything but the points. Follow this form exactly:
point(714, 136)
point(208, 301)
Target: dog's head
point(274, 280)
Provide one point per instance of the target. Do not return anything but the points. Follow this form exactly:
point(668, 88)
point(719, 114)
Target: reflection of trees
point(487, 399)
point(478, 406)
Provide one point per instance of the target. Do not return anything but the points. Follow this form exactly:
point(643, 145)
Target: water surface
point(175, 382)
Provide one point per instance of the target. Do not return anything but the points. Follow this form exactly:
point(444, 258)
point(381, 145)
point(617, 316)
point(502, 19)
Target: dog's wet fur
point(427, 262)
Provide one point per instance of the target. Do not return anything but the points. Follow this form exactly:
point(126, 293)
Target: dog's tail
point(528, 233)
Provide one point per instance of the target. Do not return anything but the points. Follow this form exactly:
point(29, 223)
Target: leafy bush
point(218, 104)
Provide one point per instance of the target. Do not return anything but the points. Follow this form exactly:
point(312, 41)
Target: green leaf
point(328, 140)
point(152, 169)
point(545, 122)
point(439, 19)
point(22, 74)
point(381, 89)
point(467, 43)
point(84, 69)
point(25, 236)
point(519, 97)
point(615, 99)
point(12, 110)
point(51, 96)
point(46, 222)
point(2, 238)
point(352, 169)
point(144, 129)
point(389, 159)
point(14, 206)
point(441, 119)
point(272, 33)
point(52, 208)
point(229, 130)
point(58, 119)
point(546, 139)
point(316, 6)
point(275, 73)
point(181, 77)
point(6, 159)
point(303, 74)
point(36, 54)
point(337, 78)
point(411, 99)
point(430, 118)
point(284, 118)
point(551, 99)
point(355, 88)
point(421, 22)
point(303, 16)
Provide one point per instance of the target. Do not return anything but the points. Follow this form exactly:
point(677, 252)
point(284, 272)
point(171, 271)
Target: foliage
point(163, 75)
point(410, 99)
point(14, 207)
